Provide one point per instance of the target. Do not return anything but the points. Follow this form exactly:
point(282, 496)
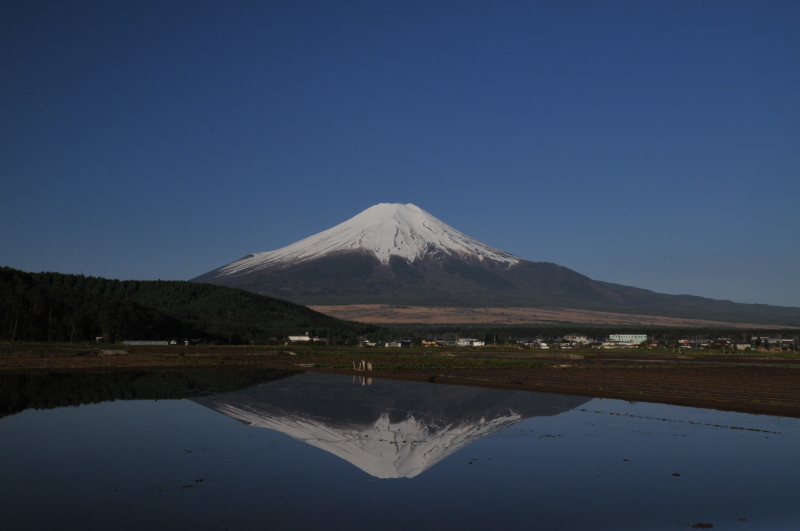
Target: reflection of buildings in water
point(387, 428)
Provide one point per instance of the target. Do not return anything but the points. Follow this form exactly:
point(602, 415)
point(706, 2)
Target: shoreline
point(771, 386)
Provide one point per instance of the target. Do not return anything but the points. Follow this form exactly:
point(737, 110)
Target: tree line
point(59, 307)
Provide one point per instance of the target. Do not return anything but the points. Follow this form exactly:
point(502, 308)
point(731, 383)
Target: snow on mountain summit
point(385, 229)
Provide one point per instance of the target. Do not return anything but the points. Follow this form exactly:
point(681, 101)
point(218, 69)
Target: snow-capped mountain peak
point(385, 229)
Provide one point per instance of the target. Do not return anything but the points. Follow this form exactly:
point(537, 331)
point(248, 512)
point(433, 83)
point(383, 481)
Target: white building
point(469, 342)
point(305, 338)
point(628, 338)
point(575, 338)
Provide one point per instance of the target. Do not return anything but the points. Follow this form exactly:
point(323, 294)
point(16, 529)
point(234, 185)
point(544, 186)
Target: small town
point(575, 341)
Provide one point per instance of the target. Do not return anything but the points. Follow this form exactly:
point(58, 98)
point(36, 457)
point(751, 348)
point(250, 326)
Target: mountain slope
point(401, 255)
point(31, 310)
point(204, 303)
point(59, 307)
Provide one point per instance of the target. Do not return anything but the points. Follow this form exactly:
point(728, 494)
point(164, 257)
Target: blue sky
point(654, 144)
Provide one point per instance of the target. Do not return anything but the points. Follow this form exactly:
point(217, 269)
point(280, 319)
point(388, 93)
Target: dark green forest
point(75, 308)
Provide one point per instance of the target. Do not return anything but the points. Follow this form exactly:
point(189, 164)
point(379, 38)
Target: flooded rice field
point(290, 450)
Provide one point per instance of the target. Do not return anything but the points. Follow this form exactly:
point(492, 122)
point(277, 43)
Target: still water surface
point(313, 451)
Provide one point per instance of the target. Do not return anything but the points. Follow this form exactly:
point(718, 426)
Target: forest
point(57, 307)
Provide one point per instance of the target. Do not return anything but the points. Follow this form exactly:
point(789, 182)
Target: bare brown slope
point(387, 314)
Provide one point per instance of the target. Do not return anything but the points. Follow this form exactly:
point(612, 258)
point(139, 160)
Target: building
point(303, 338)
point(538, 345)
point(399, 343)
point(576, 338)
point(469, 342)
point(628, 338)
point(774, 342)
point(392, 343)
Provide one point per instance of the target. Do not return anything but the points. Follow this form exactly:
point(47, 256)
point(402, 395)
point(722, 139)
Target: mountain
point(388, 429)
point(59, 307)
point(401, 255)
point(385, 231)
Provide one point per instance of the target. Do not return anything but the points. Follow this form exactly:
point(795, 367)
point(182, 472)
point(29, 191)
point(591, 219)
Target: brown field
point(384, 314)
point(769, 386)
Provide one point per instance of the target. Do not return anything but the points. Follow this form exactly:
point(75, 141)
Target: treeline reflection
point(46, 390)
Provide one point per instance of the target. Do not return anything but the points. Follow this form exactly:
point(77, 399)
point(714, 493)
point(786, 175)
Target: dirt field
point(382, 314)
point(770, 386)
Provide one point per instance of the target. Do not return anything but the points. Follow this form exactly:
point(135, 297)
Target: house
point(576, 338)
point(537, 344)
point(469, 342)
point(398, 343)
point(303, 338)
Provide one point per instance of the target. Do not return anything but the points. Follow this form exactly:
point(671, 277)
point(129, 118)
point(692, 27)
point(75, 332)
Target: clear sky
point(654, 144)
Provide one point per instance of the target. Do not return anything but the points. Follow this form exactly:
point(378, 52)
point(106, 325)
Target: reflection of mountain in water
point(389, 429)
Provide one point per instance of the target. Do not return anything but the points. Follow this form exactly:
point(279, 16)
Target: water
point(312, 451)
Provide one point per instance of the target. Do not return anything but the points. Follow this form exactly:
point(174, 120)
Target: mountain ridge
point(450, 269)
